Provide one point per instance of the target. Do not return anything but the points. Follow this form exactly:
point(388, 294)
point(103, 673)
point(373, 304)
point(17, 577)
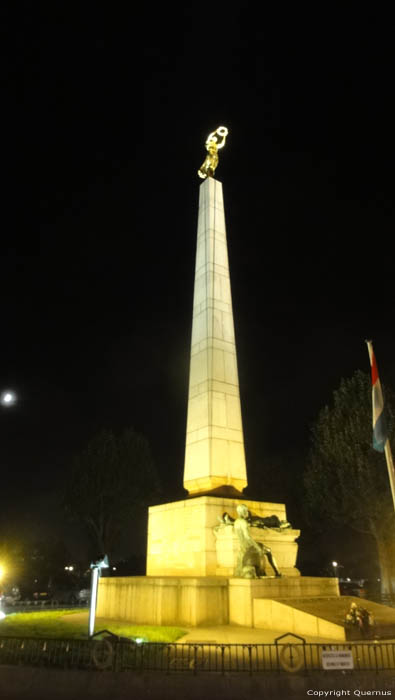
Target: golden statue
point(214, 142)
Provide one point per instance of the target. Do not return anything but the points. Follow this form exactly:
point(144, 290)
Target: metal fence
point(384, 599)
point(114, 654)
point(35, 605)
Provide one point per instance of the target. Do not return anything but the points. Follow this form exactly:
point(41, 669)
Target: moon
point(7, 398)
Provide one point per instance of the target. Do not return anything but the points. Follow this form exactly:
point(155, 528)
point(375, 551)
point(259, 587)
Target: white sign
point(332, 660)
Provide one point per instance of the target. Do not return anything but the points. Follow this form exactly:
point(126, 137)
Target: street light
point(335, 565)
point(96, 568)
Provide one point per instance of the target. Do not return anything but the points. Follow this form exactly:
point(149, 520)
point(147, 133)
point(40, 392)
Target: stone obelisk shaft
point(214, 455)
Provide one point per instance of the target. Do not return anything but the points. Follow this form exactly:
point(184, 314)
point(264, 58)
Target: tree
point(346, 480)
point(12, 556)
point(113, 479)
point(31, 563)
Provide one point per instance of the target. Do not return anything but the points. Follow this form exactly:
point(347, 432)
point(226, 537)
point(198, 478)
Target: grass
point(73, 624)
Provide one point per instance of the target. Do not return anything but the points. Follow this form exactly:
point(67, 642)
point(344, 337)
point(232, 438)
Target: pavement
point(235, 634)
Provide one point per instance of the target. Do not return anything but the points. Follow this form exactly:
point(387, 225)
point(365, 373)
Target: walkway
point(233, 634)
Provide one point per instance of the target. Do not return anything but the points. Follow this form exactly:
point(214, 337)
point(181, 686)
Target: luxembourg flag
point(380, 434)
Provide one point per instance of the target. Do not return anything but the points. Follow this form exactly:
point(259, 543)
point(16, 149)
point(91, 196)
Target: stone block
point(243, 592)
point(278, 615)
point(183, 538)
point(146, 600)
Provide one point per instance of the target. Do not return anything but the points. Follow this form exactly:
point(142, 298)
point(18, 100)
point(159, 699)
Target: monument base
point(244, 593)
point(192, 556)
point(197, 601)
point(322, 617)
point(164, 600)
point(185, 538)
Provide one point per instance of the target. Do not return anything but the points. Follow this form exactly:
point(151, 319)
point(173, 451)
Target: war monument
point(216, 557)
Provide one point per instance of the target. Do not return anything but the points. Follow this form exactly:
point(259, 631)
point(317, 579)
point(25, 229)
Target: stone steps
point(320, 617)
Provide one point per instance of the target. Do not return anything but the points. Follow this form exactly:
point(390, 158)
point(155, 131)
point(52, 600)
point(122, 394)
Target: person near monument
point(358, 618)
point(249, 563)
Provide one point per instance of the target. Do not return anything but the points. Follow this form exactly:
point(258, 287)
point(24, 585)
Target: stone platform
point(320, 617)
point(244, 593)
point(196, 601)
point(164, 600)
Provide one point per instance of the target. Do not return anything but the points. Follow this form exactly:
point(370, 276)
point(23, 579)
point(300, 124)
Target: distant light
point(2, 615)
point(334, 563)
point(114, 568)
point(7, 398)
point(139, 640)
point(348, 578)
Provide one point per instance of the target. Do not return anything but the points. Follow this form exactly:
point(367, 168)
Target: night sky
point(105, 115)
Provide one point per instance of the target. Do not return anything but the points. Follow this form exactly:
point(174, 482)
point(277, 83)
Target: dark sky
point(105, 114)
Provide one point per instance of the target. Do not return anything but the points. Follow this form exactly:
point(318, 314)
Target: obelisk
point(192, 549)
point(214, 455)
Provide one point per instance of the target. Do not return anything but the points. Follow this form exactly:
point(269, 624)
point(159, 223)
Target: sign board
point(332, 660)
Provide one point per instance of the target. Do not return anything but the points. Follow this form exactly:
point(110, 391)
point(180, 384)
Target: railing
point(384, 599)
point(112, 653)
point(34, 605)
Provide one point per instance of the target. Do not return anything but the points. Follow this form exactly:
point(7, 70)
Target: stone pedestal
point(210, 600)
point(184, 538)
point(164, 600)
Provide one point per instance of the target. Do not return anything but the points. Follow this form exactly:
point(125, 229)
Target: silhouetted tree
point(346, 480)
point(113, 479)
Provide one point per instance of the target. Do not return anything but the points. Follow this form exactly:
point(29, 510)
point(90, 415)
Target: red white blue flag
point(380, 434)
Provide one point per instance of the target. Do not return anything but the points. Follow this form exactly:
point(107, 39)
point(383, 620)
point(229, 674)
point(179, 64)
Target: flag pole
point(387, 446)
point(390, 466)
